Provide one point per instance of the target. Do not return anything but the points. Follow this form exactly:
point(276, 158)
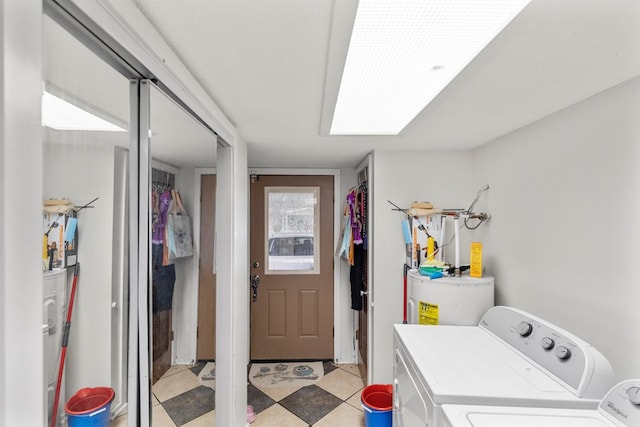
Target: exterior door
point(206, 349)
point(291, 267)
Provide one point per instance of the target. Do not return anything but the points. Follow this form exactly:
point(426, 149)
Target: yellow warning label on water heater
point(427, 313)
point(475, 269)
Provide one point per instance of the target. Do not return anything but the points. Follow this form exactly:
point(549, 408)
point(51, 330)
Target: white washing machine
point(620, 407)
point(448, 300)
point(511, 358)
point(54, 293)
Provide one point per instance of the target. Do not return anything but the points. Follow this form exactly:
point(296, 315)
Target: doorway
point(291, 267)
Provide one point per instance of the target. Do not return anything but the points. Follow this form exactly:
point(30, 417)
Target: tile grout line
point(343, 401)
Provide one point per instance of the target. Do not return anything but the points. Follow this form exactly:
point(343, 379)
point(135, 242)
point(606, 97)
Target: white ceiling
point(72, 72)
point(274, 67)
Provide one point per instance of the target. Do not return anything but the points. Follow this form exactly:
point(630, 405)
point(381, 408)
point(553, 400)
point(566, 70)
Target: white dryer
point(511, 358)
point(459, 300)
point(619, 408)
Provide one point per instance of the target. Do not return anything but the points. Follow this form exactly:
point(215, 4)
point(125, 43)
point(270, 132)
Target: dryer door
point(410, 406)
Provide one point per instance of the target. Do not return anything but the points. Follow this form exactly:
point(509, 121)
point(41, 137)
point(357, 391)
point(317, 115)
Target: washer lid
point(529, 420)
point(492, 416)
point(467, 365)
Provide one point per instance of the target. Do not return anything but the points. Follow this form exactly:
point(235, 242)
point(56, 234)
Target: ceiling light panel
point(61, 115)
point(404, 52)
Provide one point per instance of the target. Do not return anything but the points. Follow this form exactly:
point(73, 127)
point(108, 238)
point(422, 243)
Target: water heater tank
point(448, 300)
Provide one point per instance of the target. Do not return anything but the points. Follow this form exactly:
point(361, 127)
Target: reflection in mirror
point(85, 118)
point(183, 152)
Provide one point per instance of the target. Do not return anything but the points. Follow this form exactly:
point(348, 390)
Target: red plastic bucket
point(90, 407)
point(377, 401)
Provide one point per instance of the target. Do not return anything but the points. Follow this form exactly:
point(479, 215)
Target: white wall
point(81, 172)
point(562, 241)
point(21, 370)
point(443, 178)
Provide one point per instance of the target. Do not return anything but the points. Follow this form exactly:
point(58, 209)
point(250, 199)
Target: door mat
point(278, 374)
point(207, 376)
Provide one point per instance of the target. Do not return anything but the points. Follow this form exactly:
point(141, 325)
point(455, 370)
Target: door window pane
point(292, 229)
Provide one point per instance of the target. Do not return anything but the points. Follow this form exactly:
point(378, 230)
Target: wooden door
point(206, 345)
point(291, 269)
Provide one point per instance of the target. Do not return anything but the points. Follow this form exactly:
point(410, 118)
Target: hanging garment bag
point(179, 238)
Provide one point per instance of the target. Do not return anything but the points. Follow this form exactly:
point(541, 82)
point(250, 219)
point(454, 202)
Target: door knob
point(255, 282)
point(363, 293)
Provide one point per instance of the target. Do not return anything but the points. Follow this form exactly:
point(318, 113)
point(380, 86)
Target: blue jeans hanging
point(163, 279)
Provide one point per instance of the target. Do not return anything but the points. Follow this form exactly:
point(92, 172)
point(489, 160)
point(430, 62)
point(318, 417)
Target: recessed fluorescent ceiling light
point(61, 115)
point(403, 53)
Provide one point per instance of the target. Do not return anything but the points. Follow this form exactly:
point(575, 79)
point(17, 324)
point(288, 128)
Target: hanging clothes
point(342, 249)
point(163, 272)
point(163, 281)
point(356, 226)
point(362, 212)
point(356, 275)
point(161, 201)
point(357, 213)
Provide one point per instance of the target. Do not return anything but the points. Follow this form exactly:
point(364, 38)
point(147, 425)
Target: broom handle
point(65, 341)
point(405, 267)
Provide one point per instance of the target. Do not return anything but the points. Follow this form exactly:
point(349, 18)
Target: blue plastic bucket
point(90, 407)
point(377, 402)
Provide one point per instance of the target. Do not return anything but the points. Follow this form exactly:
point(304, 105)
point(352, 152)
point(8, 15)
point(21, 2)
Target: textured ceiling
point(72, 72)
point(273, 67)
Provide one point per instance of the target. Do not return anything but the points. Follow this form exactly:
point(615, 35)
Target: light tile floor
point(185, 397)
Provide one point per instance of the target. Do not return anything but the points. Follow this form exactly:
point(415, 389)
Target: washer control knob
point(547, 343)
point(525, 329)
point(633, 393)
point(563, 352)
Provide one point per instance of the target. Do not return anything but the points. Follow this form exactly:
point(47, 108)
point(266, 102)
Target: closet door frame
point(111, 39)
point(344, 320)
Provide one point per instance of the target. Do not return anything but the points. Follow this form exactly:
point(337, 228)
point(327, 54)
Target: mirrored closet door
point(85, 119)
